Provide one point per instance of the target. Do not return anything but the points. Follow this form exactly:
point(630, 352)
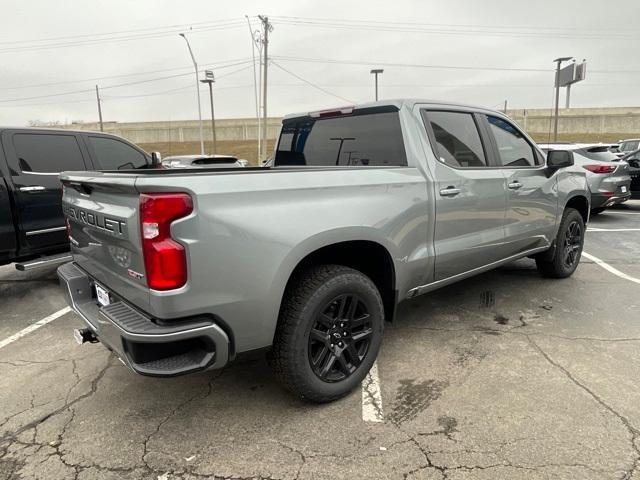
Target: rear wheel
point(329, 332)
point(568, 247)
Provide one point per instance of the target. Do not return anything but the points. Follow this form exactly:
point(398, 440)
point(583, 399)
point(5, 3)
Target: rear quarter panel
point(249, 231)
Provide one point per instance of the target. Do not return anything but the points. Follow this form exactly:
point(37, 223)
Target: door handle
point(33, 188)
point(449, 191)
point(515, 185)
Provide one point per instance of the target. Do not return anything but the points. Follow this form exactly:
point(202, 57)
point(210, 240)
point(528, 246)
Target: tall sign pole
point(557, 85)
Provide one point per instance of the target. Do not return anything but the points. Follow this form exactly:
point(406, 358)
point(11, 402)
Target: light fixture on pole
point(376, 72)
point(557, 85)
point(195, 66)
point(210, 79)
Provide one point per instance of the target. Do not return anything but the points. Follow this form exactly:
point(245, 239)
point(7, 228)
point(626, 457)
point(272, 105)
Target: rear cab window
point(366, 137)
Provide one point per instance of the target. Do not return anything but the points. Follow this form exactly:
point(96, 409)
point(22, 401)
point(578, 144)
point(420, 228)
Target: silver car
point(607, 175)
point(203, 161)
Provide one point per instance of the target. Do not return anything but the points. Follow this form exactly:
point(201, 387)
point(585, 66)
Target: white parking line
point(34, 326)
point(371, 396)
point(623, 213)
point(609, 268)
point(596, 229)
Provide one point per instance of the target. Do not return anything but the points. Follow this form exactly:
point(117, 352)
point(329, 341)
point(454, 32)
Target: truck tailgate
point(104, 229)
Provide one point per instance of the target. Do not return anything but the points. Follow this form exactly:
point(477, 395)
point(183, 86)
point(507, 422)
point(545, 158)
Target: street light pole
point(555, 123)
point(195, 66)
point(99, 108)
point(209, 78)
point(376, 72)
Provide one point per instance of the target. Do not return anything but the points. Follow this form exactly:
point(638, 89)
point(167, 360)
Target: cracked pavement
point(506, 375)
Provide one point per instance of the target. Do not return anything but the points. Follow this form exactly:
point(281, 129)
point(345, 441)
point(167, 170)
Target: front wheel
point(568, 247)
point(329, 332)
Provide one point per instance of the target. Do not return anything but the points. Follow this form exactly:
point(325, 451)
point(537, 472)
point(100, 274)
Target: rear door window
point(513, 148)
point(457, 138)
point(367, 137)
point(113, 154)
point(47, 153)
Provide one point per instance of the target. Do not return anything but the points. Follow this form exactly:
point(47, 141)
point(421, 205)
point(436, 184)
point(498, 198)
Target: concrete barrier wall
point(618, 120)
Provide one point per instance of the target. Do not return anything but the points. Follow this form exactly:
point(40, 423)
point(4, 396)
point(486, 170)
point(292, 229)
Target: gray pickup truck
point(178, 271)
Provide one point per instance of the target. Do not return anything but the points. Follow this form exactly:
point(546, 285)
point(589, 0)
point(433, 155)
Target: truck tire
point(329, 332)
point(568, 247)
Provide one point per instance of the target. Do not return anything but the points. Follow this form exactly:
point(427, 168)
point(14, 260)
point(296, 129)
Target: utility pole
point(209, 78)
point(99, 108)
point(505, 107)
point(195, 66)
point(267, 27)
point(376, 72)
point(557, 85)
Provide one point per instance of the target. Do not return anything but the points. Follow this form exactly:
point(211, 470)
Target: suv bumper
point(144, 346)
point(599, 200)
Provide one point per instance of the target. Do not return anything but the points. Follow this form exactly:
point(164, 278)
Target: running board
point(50, 261)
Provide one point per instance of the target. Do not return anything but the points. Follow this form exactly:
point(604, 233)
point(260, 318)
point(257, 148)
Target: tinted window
point(457, 139)
point(369, 137)
point(113, 154)
point(599, 153)
point(47, 153)
point(514, 150)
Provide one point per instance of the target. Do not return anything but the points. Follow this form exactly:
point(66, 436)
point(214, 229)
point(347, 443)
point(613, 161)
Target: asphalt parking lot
point(506, 375)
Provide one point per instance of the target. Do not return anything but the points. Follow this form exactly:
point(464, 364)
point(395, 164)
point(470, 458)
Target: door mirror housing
point(156, 160)
point(559, 159)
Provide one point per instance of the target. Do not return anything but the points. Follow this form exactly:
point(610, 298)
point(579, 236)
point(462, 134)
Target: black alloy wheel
point(572, 243)
point(340, 338)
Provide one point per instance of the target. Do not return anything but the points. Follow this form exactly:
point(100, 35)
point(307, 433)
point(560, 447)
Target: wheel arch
point(581, 204)
point(360, 249)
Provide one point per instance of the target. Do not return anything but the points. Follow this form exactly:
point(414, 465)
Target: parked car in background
point(203, 161)
point(633, 159)
point(608, 176)
point(629, 145)
point(363, 207)
point(32, 227)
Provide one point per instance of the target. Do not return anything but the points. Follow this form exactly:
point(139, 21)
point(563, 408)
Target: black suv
point(31, 220)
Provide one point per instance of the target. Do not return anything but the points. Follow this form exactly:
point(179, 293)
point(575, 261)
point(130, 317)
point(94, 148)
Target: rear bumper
point(144, 346)
point(599, 200)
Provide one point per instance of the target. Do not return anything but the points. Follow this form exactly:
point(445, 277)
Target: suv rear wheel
point(568, 247)
point(329, 332)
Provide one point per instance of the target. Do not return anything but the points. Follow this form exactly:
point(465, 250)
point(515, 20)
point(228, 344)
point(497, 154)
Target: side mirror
point(156, 160)
point(559, 159)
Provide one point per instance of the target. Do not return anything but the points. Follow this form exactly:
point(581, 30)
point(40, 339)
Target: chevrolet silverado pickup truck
point(32, 227)
point(178, 271)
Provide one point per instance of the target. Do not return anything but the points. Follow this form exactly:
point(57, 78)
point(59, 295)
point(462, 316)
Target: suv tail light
point(601, 168)
point(165, 260)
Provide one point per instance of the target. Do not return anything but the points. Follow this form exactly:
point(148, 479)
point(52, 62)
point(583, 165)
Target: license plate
point(624, 189)
point(103, 296)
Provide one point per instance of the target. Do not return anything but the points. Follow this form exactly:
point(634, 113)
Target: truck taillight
point(600, 168)
point(165, 260)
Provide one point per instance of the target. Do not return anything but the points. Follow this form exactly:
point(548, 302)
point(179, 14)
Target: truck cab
point(32, 225)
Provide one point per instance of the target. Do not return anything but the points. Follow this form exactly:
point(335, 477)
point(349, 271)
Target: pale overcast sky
point(56, 47)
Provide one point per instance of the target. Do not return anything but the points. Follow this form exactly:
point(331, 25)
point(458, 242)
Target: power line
point(430, 29)
point(108, 77)
point(464, 25)
point(119, 38)
point(318, 87)
point(436, 67)
point(138, 82)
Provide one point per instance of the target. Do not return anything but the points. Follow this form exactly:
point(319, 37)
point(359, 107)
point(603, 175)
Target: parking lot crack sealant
point(633, 431)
